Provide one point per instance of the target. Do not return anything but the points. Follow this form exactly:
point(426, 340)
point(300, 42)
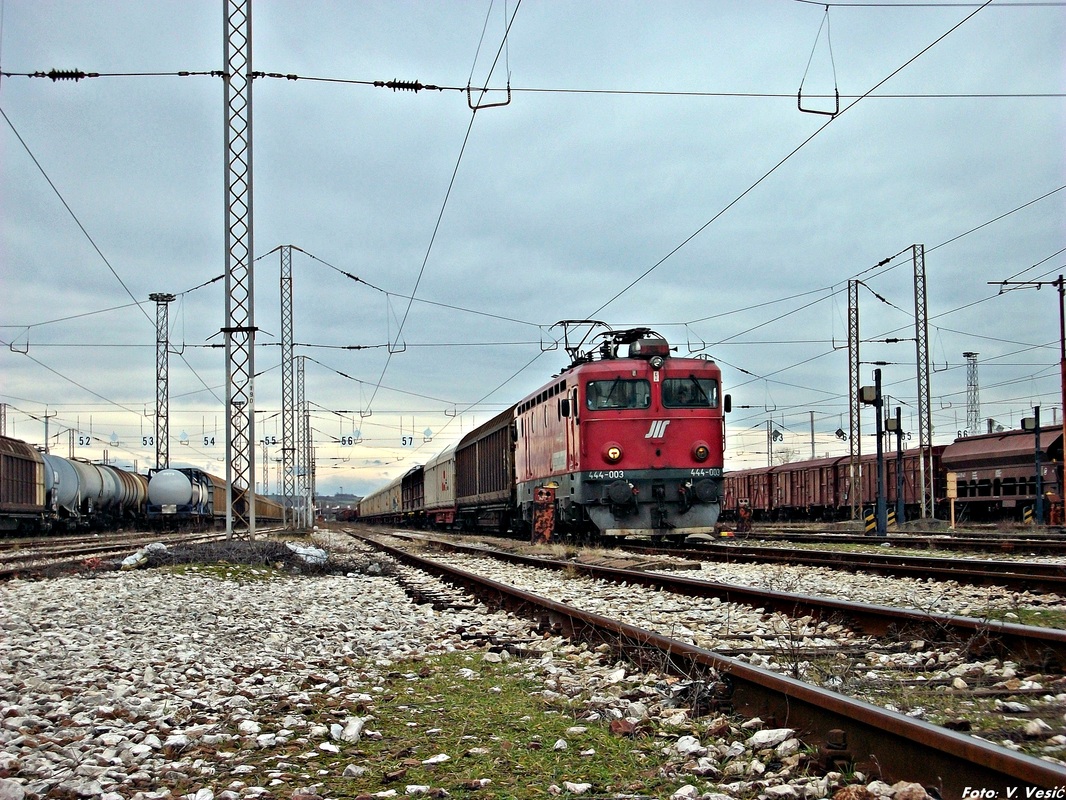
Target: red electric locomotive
point(629, 442)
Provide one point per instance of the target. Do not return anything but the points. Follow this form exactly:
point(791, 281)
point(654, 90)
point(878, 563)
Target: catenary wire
point(440, 218)
point(70, 211)
point(795, 150)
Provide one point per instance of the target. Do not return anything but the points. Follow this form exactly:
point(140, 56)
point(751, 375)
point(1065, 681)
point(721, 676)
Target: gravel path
point(153, 684)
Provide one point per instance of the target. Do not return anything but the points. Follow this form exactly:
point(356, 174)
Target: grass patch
point(490, 719)
point(1019, 615)
point(226, 571)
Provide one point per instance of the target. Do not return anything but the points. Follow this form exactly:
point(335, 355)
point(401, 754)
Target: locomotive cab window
point(690, 392)
point(617, 393)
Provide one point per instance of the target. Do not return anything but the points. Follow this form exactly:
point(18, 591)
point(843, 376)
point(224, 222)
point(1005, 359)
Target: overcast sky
point(652, 168)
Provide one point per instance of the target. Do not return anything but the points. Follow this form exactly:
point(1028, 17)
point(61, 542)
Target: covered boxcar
point(22, 486)
point(484, 474)
point(820, 489)
point(412, 496)
point(439, 476)
point(384, 505)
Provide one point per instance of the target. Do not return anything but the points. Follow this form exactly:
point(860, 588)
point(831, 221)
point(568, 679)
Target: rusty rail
point(1041, 647)
point(1015, 575)
point(869, 738)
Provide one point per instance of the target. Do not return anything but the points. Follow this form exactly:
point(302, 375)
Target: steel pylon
point(288, 399)
point(240, 321)
point(162, 378)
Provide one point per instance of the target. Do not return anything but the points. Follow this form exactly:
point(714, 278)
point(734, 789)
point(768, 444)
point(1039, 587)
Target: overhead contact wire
point(795, 150)
point(73, 216)
point(440, 218)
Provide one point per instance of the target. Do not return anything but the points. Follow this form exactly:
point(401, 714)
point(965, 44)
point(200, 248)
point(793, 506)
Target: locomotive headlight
point(657, 362)
point(612, 453)
point(700, 451)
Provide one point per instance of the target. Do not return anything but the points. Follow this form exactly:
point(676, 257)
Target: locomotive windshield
point(617, 393)
point(690, 392)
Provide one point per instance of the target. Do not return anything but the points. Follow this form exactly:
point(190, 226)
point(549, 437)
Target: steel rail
point(1041, 647)
point(848, 731)
point(73, 556)
point(1016, 575)
point(1048, 543)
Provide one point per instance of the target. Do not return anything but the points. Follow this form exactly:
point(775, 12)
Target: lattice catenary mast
point(973, 395)
point(288, 400)
point(854, 427)
point(925, 419)
point(162, 378)
point(240, 325)
point(299, 407)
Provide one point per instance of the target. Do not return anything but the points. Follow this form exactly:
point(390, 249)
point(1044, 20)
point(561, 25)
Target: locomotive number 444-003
point(615, 474)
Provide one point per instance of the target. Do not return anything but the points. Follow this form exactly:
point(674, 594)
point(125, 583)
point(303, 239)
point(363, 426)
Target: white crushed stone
point(109, 685)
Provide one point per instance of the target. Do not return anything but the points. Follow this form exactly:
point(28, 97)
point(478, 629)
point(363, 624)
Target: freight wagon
point(995, 474)
point(627, 439)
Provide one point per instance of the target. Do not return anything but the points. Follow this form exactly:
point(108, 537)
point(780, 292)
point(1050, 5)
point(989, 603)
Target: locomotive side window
point(690, 392)
point(617, 393)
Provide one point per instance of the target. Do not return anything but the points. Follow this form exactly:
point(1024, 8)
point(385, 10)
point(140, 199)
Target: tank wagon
point(190, 497)
point(995, 475)
point(628, 439)
point(42, 492)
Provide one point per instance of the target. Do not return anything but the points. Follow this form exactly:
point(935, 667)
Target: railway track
point(1049, 541)
point(28, 557)
point(1017, 575)
point(1031, 645)
point(844, 729)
